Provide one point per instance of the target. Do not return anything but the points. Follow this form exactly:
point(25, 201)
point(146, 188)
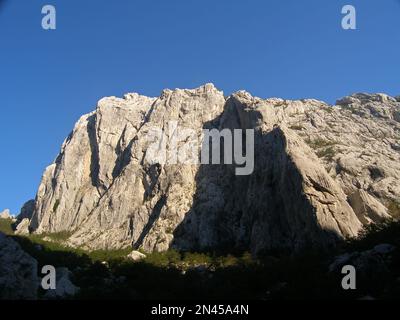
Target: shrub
point(319, 143)
point(57, 236)
point(107, 255)
point(297, 127)
point(193, 258)
point(163, 259)
point(227, 261)
point(56, 204)
point(394, 209)
point(247, 259)
point(327, 153)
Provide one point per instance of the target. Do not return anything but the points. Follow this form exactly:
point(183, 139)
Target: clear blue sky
point(291, 49)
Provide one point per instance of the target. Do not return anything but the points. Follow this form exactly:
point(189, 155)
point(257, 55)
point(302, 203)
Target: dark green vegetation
point(184, 275)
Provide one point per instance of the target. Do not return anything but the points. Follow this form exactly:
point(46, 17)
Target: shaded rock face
point(289, 201)
point(308, 158)
point(23, 220)
point(18, 271)
point(367, 208)
point(27, 210)
point(372, 265)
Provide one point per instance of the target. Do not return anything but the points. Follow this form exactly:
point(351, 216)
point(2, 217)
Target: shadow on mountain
point(155, 214)
point(94, 150)
point(232, 213)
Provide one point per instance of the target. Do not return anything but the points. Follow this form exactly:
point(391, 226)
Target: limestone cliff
point(320, 173)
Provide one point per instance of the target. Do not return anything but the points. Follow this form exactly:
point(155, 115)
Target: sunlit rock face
point(320, 172)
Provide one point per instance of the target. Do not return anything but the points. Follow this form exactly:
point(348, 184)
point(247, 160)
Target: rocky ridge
point(320, 173)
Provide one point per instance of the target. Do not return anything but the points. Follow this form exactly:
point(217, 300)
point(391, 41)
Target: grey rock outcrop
point(5, 214)
point(18, 271)
point(22, 228)
point(309, 158)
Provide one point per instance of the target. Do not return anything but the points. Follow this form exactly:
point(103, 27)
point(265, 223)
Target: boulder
point(136, 256)
point(18, 271)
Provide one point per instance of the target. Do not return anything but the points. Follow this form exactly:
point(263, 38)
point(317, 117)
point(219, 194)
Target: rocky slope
point(21, 274)
point(320, 173)
point(18, 271)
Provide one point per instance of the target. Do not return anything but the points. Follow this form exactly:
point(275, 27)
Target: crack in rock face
point(320, 173)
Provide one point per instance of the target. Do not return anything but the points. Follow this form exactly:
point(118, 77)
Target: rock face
point(320, 173)
point(18, 271)
point(5, 214)
point(367, 208)
point(23, 227)
point(26, 210)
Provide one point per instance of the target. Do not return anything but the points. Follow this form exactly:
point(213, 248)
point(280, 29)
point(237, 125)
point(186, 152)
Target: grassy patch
point(6, 226)
point(194, 258)
point(52, 253)
point(107, 255)
point(163, 259)
point(58, 254)
point(58, 236)
point(320, 143)
point(328, 109)
point(324, 148)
